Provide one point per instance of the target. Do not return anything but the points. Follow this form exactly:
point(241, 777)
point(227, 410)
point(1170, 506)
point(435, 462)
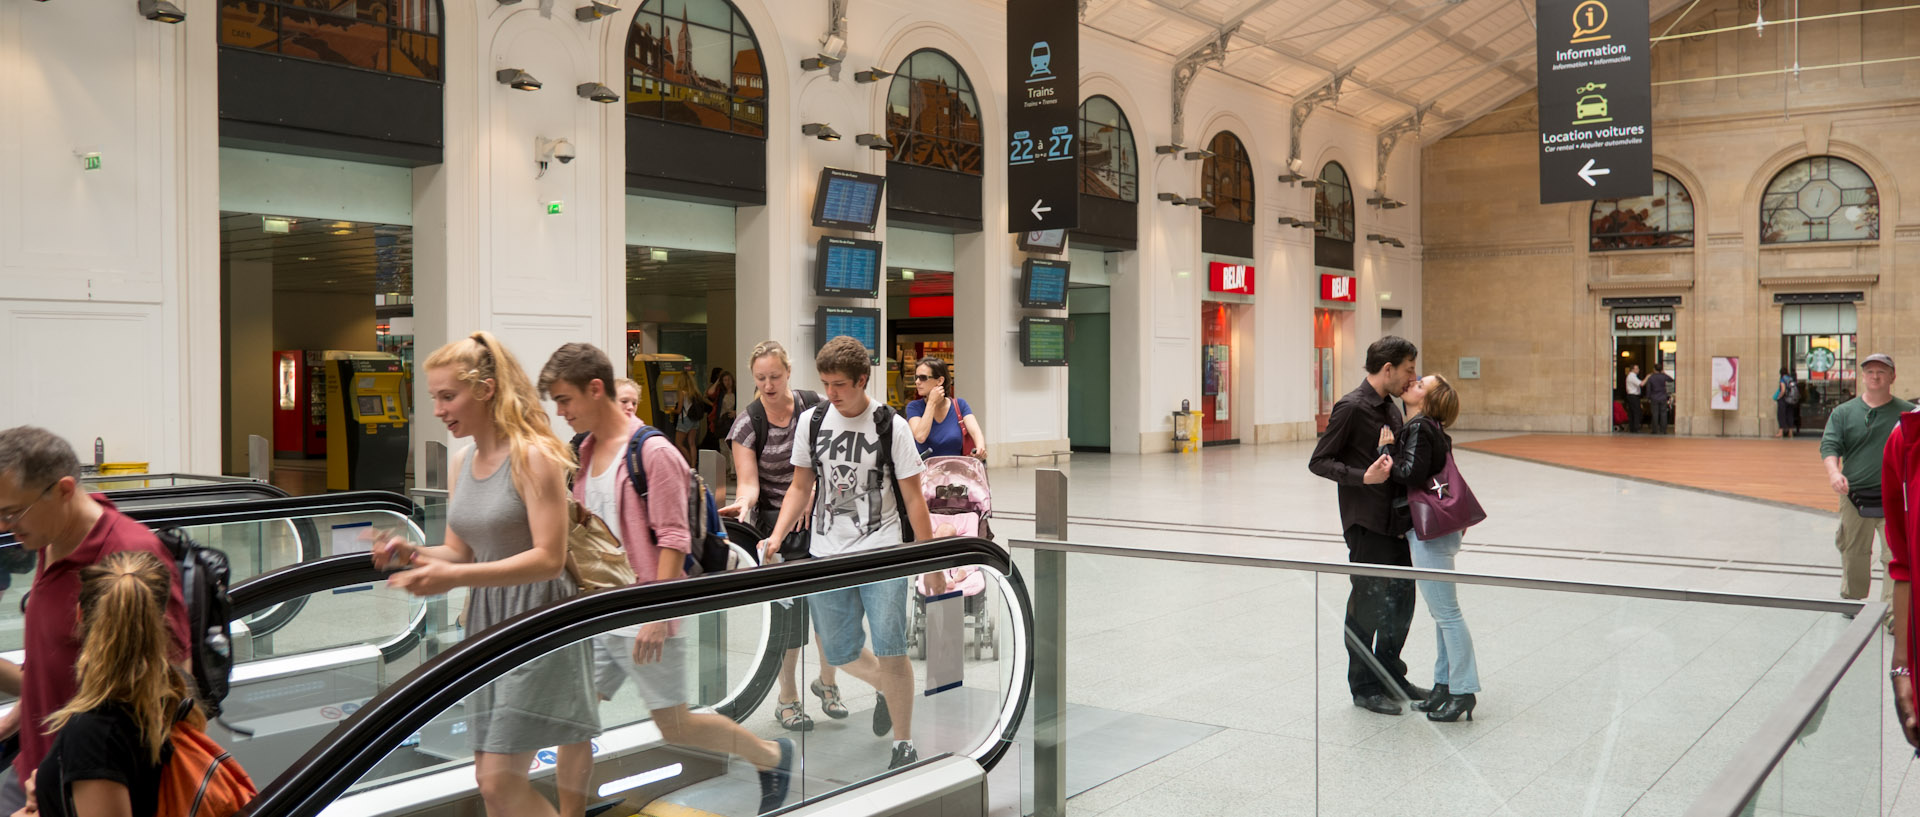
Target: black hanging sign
point(1043, 115)
point(1596, 100)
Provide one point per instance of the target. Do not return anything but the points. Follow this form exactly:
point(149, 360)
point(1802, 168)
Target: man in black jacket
point(1379, 610)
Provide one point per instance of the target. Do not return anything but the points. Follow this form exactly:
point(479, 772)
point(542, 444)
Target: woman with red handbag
point(1423, 464)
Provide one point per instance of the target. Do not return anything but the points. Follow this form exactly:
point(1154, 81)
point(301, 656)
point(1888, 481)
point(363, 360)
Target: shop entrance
point(1325, 384)
point(1642, 337)
point(1817, 343)
point(1219, 363)
point(1090, 351)
point(680, 329)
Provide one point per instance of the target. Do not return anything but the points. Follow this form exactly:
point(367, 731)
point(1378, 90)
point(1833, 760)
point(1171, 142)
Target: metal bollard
point(259, 458)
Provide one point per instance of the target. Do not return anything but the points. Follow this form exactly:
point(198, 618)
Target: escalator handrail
point(299, 581)
point(367, 736)
point(261, 510)
point(218, 490)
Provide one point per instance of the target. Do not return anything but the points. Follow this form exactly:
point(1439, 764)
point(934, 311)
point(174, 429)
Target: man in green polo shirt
point(1851, 446)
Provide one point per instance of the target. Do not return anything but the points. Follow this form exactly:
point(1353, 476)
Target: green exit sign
point(91, 161)
point(554, 208)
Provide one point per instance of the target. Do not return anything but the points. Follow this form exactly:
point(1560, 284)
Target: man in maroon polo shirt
point(42, 504)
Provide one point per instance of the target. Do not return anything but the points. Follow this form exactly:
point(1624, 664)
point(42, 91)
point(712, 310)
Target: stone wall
point(1513, 282)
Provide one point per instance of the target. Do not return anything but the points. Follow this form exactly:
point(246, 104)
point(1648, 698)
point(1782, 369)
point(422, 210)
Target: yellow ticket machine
point(660, 377)
point(366, 422)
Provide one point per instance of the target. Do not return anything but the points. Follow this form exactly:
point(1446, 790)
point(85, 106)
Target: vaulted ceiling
point(1458, 58)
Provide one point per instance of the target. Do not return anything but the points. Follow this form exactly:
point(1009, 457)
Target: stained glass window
point(1226, 179)
point(1663, 218)
point(1108, 167)
point(696, 62)
point(933, 117)
point(1821, 198)
point(400, 37)
point(1333, 204)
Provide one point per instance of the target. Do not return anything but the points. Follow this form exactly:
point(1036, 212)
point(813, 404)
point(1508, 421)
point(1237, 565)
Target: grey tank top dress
point(550, 700)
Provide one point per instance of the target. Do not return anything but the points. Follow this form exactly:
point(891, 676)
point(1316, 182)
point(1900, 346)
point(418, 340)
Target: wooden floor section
point(1772, 470)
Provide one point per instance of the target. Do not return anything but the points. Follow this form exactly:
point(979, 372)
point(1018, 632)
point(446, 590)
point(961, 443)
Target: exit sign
point(90, 161)
point(554, 208)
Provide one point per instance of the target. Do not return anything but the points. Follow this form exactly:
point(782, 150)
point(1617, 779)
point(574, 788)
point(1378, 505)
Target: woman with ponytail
point(113, 734)
point(507, 540)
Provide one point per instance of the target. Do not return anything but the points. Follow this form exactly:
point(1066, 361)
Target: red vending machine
point(299, 405)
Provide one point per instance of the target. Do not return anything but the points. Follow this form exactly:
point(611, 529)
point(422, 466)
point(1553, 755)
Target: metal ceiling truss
point(1387, 140)
point(1292, 55)
point(1328, 93)
point(1188, 69)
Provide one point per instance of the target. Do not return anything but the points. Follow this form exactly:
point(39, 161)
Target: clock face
point(1819, 198)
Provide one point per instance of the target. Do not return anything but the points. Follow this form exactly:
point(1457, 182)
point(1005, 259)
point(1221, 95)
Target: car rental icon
point(1591, 106)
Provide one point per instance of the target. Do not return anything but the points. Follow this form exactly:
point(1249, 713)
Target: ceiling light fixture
point(596, 92)
point(519, 80)
point(873, 140)
point(594, 10)
point(871, 75)
point(821, 131)
point(657, 254)
point(276, 225)
point(161, 11)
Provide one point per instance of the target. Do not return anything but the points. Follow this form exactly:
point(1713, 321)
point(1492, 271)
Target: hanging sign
point(1338, 288)
point(1043, 115)
point(1596, 100)
point(1233, 278)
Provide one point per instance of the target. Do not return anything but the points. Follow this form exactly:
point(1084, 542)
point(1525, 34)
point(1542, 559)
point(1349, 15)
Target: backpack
point(201, 779)
point(1792, 391)
point(709, 552)
point(882, 425)
point(204, 579)
point(757, 415)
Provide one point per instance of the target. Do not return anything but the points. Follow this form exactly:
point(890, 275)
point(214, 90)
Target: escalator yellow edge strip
point(661, 808)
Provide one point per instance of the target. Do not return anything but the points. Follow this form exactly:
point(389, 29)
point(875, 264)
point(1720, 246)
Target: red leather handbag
point(1445, 506)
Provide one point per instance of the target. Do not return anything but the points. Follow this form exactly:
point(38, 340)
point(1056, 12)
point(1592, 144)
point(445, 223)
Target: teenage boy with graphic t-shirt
point(859, 509)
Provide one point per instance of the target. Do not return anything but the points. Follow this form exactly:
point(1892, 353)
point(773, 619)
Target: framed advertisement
point(1726, 384)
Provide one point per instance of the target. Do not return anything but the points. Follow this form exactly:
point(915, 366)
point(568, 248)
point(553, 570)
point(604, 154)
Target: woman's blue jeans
point(1455, 666)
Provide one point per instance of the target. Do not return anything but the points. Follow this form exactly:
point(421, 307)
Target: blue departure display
point(851, 201)
point(1046, 284)
point(860, 324)
point(852, 268)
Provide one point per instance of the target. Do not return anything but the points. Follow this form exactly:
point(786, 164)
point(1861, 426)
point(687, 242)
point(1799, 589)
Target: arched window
point(400, 37)
point(1108, 168)
point(933, 117)
point(1333, 204)
point(1822, 198)
point(1663, 218)
point(1226, 179)
point(696, 62)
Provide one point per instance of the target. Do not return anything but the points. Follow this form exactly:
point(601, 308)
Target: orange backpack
point(201, 779)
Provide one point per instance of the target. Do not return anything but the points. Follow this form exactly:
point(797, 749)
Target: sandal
point(829, 699)
point(793, 717)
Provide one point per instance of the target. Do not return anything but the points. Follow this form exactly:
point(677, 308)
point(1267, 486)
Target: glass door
point(1818, 344)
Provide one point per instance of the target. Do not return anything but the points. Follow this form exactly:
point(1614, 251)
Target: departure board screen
point(1043, 341)
point(860, 323)
point(847, 267)
point(1044, 284)
point(847, 200)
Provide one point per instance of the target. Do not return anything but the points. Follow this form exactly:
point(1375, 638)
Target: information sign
point(1596, 100)
point(1043, 115)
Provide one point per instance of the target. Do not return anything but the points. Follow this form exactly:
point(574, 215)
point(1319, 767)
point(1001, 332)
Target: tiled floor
point(1593, 705)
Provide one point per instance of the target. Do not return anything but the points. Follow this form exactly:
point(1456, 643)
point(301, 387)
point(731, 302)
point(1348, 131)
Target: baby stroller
point(961, 505)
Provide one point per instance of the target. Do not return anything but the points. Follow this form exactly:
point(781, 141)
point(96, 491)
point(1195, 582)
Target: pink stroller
point(960, 504)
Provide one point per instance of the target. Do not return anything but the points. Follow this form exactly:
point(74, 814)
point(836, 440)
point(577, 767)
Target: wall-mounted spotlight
point(1310, 183)
point(871, 75)
point(1168, 150)
point(818, 62)
point(1201, 203)
point(596, 92)
point(821, 131)
point(594, 10)
point(161, 11)
point(1199, 154)
point(873, 140)
point(1290, 221)
point(519, 80)
point(1385, 203)
point(1385, 239)
point(1176, 198)
point(1290, 178)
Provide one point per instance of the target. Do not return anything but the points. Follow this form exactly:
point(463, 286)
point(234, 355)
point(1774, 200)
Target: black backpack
point(757, 415)
point(882, 425)
point(204, 580)
point(709, 552)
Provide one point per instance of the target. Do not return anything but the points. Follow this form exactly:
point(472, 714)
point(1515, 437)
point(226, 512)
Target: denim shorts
point(837, 614)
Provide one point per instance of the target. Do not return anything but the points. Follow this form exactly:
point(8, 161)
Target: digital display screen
point(1043, 341)
point(847, 267)
point(847, 200)
point(859, 323)
point(370, 405)
point(1047, 241)
point(1044, 284)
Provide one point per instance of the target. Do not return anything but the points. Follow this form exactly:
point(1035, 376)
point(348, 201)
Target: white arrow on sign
point(1037, 209)
point(1587, 173)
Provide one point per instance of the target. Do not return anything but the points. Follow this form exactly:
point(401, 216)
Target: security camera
point(546, 150)
point(563, 150)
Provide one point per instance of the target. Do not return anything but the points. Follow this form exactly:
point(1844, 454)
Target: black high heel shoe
point(1453, 708)
point(1434, 699)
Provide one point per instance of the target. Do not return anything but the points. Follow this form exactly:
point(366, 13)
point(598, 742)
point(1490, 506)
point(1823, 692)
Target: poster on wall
point(1726, 384)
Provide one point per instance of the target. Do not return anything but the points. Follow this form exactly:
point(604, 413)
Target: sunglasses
point(923, 377)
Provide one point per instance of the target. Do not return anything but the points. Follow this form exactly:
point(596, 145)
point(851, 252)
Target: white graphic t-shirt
point(854, 506)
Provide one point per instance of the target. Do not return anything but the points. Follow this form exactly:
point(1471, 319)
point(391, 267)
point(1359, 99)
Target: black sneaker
point(775, 782)
point(903, 755)
point(882, 719)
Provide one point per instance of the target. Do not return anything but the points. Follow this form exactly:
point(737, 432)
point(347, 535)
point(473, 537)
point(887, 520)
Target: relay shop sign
point(1043, 115)
point(1337, 288)
point(1596, 100)
point(1234, 278)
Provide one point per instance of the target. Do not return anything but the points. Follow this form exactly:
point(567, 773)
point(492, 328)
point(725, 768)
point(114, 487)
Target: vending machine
point(366, 421)
point(299, 405)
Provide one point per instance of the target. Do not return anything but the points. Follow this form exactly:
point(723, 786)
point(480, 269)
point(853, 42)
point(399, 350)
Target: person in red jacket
point(1900, 482)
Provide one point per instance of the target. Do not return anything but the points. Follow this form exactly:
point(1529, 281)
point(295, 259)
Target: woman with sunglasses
point(943, 425)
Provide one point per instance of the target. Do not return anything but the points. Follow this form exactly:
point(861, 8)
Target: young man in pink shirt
point(657, 540)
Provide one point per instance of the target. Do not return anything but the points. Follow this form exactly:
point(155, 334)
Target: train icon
point(1041, 59)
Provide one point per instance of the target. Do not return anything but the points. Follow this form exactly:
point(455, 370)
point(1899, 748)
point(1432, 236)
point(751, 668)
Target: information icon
point(1589, 19)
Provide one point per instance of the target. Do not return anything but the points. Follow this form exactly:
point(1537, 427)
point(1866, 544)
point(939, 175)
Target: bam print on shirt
point(854, 505)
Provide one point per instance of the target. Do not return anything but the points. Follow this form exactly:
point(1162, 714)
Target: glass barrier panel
point(1833, 769)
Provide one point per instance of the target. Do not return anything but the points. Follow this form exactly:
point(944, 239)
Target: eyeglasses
point(919, 377)
point(7, 519)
